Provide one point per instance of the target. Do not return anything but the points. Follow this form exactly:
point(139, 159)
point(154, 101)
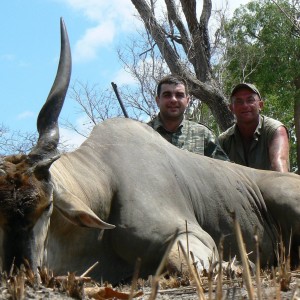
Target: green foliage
point(263, 47)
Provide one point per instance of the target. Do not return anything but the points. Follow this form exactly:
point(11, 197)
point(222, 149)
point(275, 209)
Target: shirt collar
point(258, 129)
point(257, 132)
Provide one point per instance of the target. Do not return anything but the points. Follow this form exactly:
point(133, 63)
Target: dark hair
point(171, 79)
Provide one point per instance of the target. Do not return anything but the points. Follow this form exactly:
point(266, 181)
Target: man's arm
point(279, 150)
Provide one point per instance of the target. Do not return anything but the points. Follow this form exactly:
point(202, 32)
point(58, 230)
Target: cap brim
point(247, 86)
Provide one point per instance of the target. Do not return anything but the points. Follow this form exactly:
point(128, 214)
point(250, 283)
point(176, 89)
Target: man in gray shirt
point(254, 140)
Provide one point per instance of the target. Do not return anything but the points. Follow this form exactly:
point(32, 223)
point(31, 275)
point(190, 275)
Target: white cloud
point(71, 138)
point(25, 115)
point(123, 77)
point(111, 19)
point(102, 10)
point(86, 48)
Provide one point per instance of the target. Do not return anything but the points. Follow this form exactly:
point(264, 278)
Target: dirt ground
point(270, 289)
point(182, 293)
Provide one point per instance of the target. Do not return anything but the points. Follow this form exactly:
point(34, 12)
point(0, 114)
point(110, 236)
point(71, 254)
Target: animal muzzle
point(18, 248)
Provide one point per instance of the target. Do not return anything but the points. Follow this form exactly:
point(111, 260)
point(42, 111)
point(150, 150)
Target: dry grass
point(220, 281)
point(217, 283)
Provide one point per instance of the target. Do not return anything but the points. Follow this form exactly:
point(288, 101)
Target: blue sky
point(30, 45)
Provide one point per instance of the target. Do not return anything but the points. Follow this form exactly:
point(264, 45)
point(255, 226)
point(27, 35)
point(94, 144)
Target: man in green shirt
point(172, 99)
point(254, 140)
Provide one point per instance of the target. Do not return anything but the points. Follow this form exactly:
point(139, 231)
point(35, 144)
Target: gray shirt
point(258, 154)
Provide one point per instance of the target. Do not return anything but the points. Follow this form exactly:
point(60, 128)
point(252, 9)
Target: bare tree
point(187, 50)
point(19, 142)
point(94, 104)
point(15, 141)
point(146, 66)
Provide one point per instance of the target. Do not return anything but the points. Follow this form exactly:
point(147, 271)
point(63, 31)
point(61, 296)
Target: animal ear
point(41, 168)
point(76, 211)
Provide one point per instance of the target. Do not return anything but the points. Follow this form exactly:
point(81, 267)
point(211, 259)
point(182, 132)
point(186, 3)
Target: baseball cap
point(249, 86)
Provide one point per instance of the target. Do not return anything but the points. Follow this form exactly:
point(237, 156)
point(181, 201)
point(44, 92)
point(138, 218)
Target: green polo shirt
point(258, 154)
point(191, 136)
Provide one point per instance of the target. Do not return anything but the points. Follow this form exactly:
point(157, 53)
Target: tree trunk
point(297, 122)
